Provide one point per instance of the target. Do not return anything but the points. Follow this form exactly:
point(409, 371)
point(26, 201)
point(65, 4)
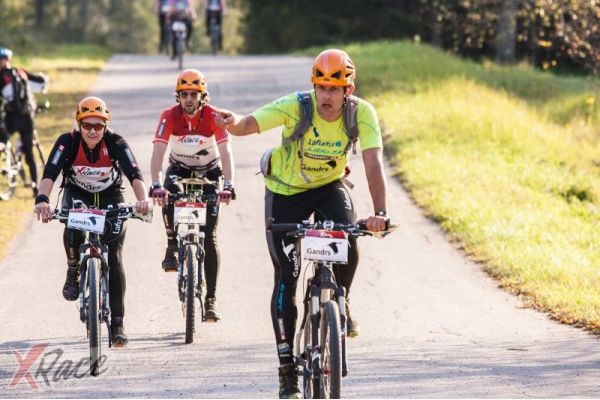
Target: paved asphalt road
point(433, 324)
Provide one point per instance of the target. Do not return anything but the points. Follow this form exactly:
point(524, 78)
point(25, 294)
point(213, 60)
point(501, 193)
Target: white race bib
point(87, 220)
point(324, 245)
point(178, 26)
point(190, 213)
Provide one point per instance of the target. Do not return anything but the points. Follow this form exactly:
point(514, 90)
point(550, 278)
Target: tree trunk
point(39, 13)
point(85, 5)
point(69, 16)
point(507, 32)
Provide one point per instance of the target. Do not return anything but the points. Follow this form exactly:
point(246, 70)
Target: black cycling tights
point(211, 249)
point(114, 239)
point(330, 202)
point(24, 124)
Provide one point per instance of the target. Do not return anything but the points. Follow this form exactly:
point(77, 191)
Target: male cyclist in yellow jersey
point(303, 176)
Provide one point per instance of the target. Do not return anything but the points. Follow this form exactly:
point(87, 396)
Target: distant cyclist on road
point(215, 9)
point(93, 160)
point(182, 10)
point(162, 8)
point(199, 146)
point(17, 108)
point(304, 176)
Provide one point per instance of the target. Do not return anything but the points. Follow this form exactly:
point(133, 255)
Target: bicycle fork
point(341, 299)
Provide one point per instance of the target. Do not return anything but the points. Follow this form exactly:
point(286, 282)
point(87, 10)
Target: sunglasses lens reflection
point(88, 126)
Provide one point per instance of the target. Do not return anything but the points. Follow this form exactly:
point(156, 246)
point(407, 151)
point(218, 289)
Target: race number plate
point(190, 213)
point(87, 220)
point(323, 245)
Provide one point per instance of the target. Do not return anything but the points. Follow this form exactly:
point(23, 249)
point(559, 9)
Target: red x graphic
point(25, 364)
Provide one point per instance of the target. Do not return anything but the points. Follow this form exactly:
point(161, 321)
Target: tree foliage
point(121, 25)
point(552, 34)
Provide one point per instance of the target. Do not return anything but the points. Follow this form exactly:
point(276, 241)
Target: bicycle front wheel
point(93, 315)
point(331, 355)
point(190, 265)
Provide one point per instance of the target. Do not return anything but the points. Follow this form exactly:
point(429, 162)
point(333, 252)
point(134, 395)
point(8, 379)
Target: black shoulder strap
point(306, 109)
point(71, 155)
point(351, 121)
point(350, 117)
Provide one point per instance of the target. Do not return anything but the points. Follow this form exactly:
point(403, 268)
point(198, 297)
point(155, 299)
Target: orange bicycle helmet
point(191, 79)
point(92, 107)
point(333, 67)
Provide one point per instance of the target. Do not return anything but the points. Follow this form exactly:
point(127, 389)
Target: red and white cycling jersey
point(93, 177)
point(192, 141)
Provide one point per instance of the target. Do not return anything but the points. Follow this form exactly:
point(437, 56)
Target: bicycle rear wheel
point(93, 315)
point(190, 265)
point(8, 173)
point(331, 355)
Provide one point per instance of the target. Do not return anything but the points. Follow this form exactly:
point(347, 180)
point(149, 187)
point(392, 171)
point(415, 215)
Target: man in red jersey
point(199, 146)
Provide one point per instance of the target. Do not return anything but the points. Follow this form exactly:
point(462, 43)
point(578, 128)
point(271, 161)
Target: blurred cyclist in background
point(214, 9)
point(182, 10)
point(17, 108)
point(162, 10)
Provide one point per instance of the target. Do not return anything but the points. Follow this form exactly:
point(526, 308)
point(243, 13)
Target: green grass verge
point(72, 70)
point(506, 159)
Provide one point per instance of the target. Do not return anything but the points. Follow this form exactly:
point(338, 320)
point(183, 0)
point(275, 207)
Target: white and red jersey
point(95, 176)
point(192, 140)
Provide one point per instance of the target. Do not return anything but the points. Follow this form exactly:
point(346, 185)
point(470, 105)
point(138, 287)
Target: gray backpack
point(305, 122)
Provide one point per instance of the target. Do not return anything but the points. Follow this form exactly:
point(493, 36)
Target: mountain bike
point(190, 219)
point(215, 35)
point(320, 344)
point(94, 304)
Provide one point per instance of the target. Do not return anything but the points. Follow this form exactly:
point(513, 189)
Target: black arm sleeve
point(120, 150)
point(39, 78)
point(2, 111)
point(58, 156)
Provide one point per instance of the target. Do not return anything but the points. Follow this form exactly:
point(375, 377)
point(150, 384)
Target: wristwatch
point(381, 213)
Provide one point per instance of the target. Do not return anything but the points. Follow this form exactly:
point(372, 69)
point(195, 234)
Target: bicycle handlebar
point(297, 230)
point(206, 198)
point(122, 212)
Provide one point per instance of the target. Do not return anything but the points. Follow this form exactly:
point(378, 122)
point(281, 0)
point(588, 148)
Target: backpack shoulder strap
point(306, 109)
point(351, 121)
point(75, 141)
